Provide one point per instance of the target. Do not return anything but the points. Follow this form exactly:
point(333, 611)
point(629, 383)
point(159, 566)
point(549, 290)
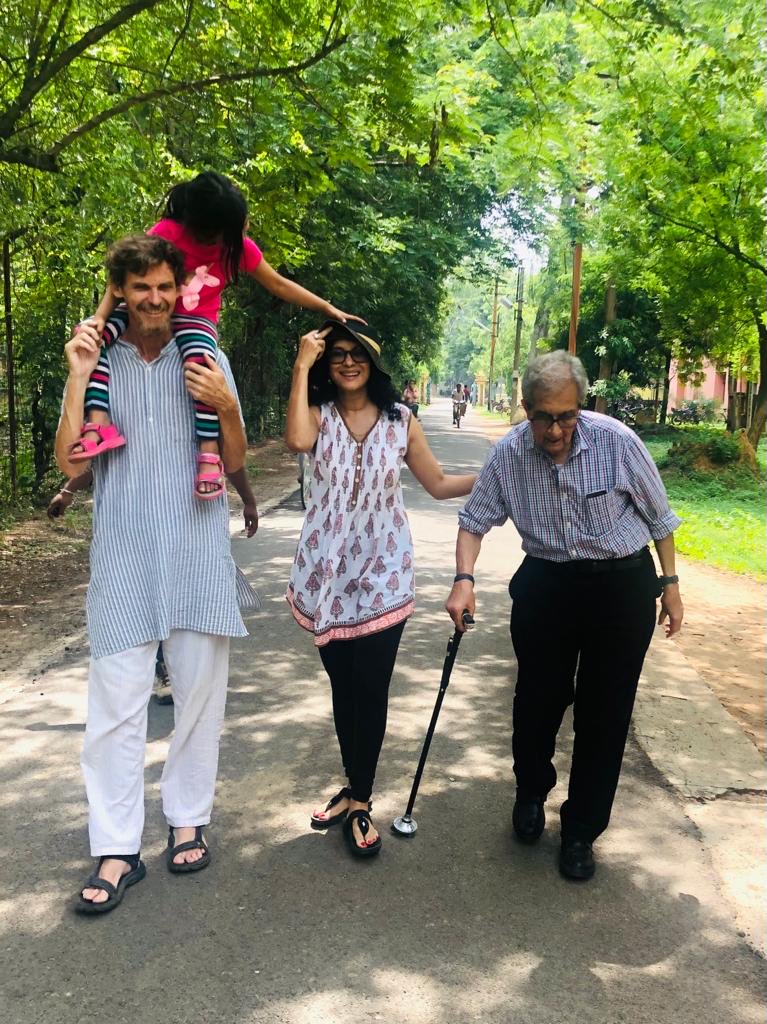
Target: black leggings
point(360, 671)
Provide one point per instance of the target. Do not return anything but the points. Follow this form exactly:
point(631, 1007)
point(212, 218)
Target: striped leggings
point(195, 336)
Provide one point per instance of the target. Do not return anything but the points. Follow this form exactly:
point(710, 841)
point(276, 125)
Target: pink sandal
point(208, 458)
point(110, 437)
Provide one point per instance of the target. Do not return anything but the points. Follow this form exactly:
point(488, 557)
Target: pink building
point(714, 385)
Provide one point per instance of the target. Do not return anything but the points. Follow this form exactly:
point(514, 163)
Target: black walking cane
point(406, 825)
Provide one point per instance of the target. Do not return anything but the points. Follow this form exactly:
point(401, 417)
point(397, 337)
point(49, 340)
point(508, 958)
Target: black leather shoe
point(576, 859)
point(528, 819)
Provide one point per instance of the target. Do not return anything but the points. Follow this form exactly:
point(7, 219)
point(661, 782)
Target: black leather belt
point(589, 566)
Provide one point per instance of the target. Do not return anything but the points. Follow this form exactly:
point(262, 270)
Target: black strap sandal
point(363, 818)
point(334, 819)
point(198, 843)
point(114, 893)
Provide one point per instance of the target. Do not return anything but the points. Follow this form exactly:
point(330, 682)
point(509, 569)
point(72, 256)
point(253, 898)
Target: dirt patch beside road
point(723, 635)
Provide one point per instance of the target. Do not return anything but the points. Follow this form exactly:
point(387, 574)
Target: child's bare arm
point(289, 291)
point(105, 308)
point(241, 483)
point(64, 497)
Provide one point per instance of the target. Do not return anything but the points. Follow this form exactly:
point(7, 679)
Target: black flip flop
point(114, 893)
point(363, 817)
point(334, 819)
point(198, 843)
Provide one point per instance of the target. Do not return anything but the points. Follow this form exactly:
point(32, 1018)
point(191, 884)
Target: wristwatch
point(464, 576)
point(666, 581)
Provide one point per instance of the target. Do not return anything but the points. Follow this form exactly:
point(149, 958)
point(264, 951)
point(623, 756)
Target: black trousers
point(580, 638)
point(360, 671)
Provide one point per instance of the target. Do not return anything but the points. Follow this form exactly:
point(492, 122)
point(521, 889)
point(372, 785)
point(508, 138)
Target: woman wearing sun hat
point(352, 583)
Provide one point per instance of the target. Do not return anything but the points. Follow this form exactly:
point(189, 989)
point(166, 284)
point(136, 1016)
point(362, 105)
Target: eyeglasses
point(547, 421)
point(338, 355)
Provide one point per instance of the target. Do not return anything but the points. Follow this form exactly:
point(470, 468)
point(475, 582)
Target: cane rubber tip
point(404, 826)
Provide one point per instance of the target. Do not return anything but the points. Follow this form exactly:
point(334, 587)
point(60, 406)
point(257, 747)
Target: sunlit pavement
point(457, 924)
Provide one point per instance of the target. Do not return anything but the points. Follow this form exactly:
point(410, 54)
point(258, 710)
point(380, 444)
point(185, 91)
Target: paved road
point(459, 924)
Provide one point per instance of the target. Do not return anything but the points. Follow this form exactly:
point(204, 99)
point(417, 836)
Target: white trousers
point(119, 689)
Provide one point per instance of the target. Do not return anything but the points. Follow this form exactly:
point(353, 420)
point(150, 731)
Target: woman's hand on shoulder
point(311, 348)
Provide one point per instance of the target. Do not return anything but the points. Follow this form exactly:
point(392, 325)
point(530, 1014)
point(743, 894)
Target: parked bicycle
point(688, 412)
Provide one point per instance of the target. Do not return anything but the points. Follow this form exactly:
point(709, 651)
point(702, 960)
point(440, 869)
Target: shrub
point(723, 448)
point(706, 451)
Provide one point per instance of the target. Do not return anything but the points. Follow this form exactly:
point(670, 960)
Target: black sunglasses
point(358, 355)
point(547, 421)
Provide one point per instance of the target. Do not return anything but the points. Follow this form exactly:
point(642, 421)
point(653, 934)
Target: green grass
point(499, 417)
point(723, 513)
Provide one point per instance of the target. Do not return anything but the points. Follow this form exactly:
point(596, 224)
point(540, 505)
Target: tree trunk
point(732, 400)
point(756, 428)
point(9, 368)
point(666, 390)
point(540, 329)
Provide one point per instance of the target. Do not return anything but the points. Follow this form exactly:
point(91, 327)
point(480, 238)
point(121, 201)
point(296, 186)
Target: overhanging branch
point(47, 160)
point(696, 229)
point(36, 84)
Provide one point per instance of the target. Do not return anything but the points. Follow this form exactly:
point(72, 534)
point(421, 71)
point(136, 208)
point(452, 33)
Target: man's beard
point(154, 324)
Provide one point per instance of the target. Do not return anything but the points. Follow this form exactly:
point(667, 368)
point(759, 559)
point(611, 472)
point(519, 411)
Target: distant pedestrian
point(163, 692)
point(410, 397)
point(161, 570)
point(586, 498)
point(352, 583)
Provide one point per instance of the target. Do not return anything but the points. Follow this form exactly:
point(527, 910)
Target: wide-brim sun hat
point(360, 332)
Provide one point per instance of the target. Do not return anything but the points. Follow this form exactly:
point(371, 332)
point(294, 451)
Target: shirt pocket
point(600, 511)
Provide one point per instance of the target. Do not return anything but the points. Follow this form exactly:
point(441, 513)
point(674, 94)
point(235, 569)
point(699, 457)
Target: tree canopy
point(384, 148)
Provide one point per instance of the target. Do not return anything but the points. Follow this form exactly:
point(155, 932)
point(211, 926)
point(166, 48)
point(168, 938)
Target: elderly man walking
point(586, 498)
point(161, 570)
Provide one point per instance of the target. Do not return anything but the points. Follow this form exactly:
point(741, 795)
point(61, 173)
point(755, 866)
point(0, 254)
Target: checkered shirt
point(606, 500)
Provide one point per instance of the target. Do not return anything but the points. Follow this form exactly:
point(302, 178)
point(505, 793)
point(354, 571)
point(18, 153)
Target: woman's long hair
point(379, 386)
point(210, 207)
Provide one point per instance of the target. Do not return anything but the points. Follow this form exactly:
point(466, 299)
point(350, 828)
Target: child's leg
point(97, 392)
point(197, 337)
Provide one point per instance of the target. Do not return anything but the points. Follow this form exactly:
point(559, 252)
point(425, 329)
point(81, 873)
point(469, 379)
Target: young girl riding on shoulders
point(206, 218)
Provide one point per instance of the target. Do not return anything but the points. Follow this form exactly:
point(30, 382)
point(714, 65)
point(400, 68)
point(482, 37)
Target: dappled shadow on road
point(458, 924)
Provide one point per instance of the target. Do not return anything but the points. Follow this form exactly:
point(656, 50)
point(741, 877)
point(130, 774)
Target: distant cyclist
point(459, 404)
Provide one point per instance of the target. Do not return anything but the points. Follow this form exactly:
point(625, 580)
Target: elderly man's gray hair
point(552, 372)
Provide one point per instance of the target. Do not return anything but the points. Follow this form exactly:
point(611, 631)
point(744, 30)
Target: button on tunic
point(160, 558)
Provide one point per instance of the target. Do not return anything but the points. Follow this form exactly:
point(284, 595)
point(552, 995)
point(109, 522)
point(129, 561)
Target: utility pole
point(493, 335)
point(575, 301)
point(518, 334)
